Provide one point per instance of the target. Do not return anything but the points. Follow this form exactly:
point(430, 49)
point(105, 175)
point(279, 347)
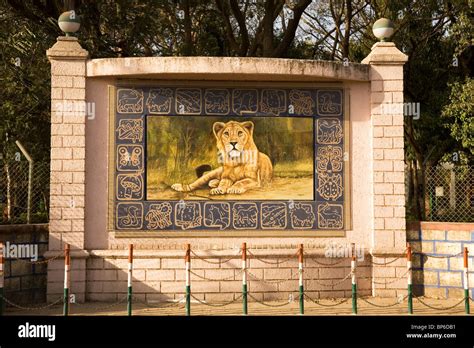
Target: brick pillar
point(388, 235)
point(68, 117)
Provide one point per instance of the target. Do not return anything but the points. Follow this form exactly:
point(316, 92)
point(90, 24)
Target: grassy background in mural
point(177, 145)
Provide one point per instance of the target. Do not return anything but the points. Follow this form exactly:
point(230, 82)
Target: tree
point(460, 110)
point(433, 33)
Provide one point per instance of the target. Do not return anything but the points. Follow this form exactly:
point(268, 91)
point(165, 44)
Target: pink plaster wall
point(96, 235)
point(97, 165)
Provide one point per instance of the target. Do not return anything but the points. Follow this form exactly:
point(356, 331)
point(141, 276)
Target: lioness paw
point(214, 183)
point(179, 187)
point(235, 189)
point(217, 191)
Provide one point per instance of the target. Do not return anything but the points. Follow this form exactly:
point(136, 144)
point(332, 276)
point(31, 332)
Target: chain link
point(325, 264)
point(216, 304)
point(207, 260)
point(440, 256)
point(101, 308)
point(383, 306)
point(438, 308)
point(238, 271)
point(269, 281)
point(326, 305)
point(42, 261)
point(392, 281)
point(31, 308)
point(162, 304)
point(385, 263)
point(334, 284)
point(277, 262)
point(268, 304)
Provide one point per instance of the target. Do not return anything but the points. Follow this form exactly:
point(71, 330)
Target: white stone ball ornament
point(69, 22)
point(383, 29)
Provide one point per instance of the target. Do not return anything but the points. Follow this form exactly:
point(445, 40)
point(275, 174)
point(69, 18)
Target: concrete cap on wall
point(67, 47)
point(225, 68)
point(385, 53)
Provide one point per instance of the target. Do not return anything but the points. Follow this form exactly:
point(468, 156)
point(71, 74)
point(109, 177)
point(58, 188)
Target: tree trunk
point(267, 42)
point(188, 40)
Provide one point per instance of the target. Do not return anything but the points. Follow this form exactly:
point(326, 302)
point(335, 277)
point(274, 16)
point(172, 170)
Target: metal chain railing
point(41, 261)
point(102, 308)
point(31, 308)
point(269, 281)
point(277, 262)
point(439, 308)
point(205, 303)
point(336, 283)
point(393, 280)
point(315, 301)
point(237, 271)
point(208, 260)
point(399, 301)
point(439, 256)
point(323, 263)
point(266, 304)
point(177, 303)
point(386, 262)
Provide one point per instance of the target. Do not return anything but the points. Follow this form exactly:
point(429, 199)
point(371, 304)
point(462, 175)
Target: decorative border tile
point(132, 210)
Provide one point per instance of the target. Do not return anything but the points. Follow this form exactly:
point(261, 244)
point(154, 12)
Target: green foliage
point(460, 111)
point(25, 91)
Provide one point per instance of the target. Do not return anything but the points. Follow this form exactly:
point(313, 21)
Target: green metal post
point(410, 280)
point(66, 280)
point(244, 279)
point(354, 280)
point(188, 300)
point(188, 279)
point(354, 298)
point(466, 282)
point(130, 272)
point(301, 278)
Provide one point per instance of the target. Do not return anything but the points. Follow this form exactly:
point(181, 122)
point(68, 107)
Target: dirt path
point(282, 189)
point(95, 308)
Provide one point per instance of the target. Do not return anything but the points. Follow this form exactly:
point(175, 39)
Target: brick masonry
point(100, 274)
point(25, 282)
point(68, 117)
point(159, 276)
point(387, 141)
point(441, 277)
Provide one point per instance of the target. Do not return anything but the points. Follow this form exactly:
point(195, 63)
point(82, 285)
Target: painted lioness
point(243, 166)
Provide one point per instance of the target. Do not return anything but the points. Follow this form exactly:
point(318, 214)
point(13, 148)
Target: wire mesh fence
point(449, 193)
point(20, 198)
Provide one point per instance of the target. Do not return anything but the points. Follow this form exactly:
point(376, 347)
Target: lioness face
point(232, 137)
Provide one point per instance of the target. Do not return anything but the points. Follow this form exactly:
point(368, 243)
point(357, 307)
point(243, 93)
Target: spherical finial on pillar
point(69, 22)
point(383, 29)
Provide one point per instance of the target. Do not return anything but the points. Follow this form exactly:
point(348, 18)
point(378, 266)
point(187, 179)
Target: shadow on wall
point(25, 274)
point(159, 277)
point(438, 262)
